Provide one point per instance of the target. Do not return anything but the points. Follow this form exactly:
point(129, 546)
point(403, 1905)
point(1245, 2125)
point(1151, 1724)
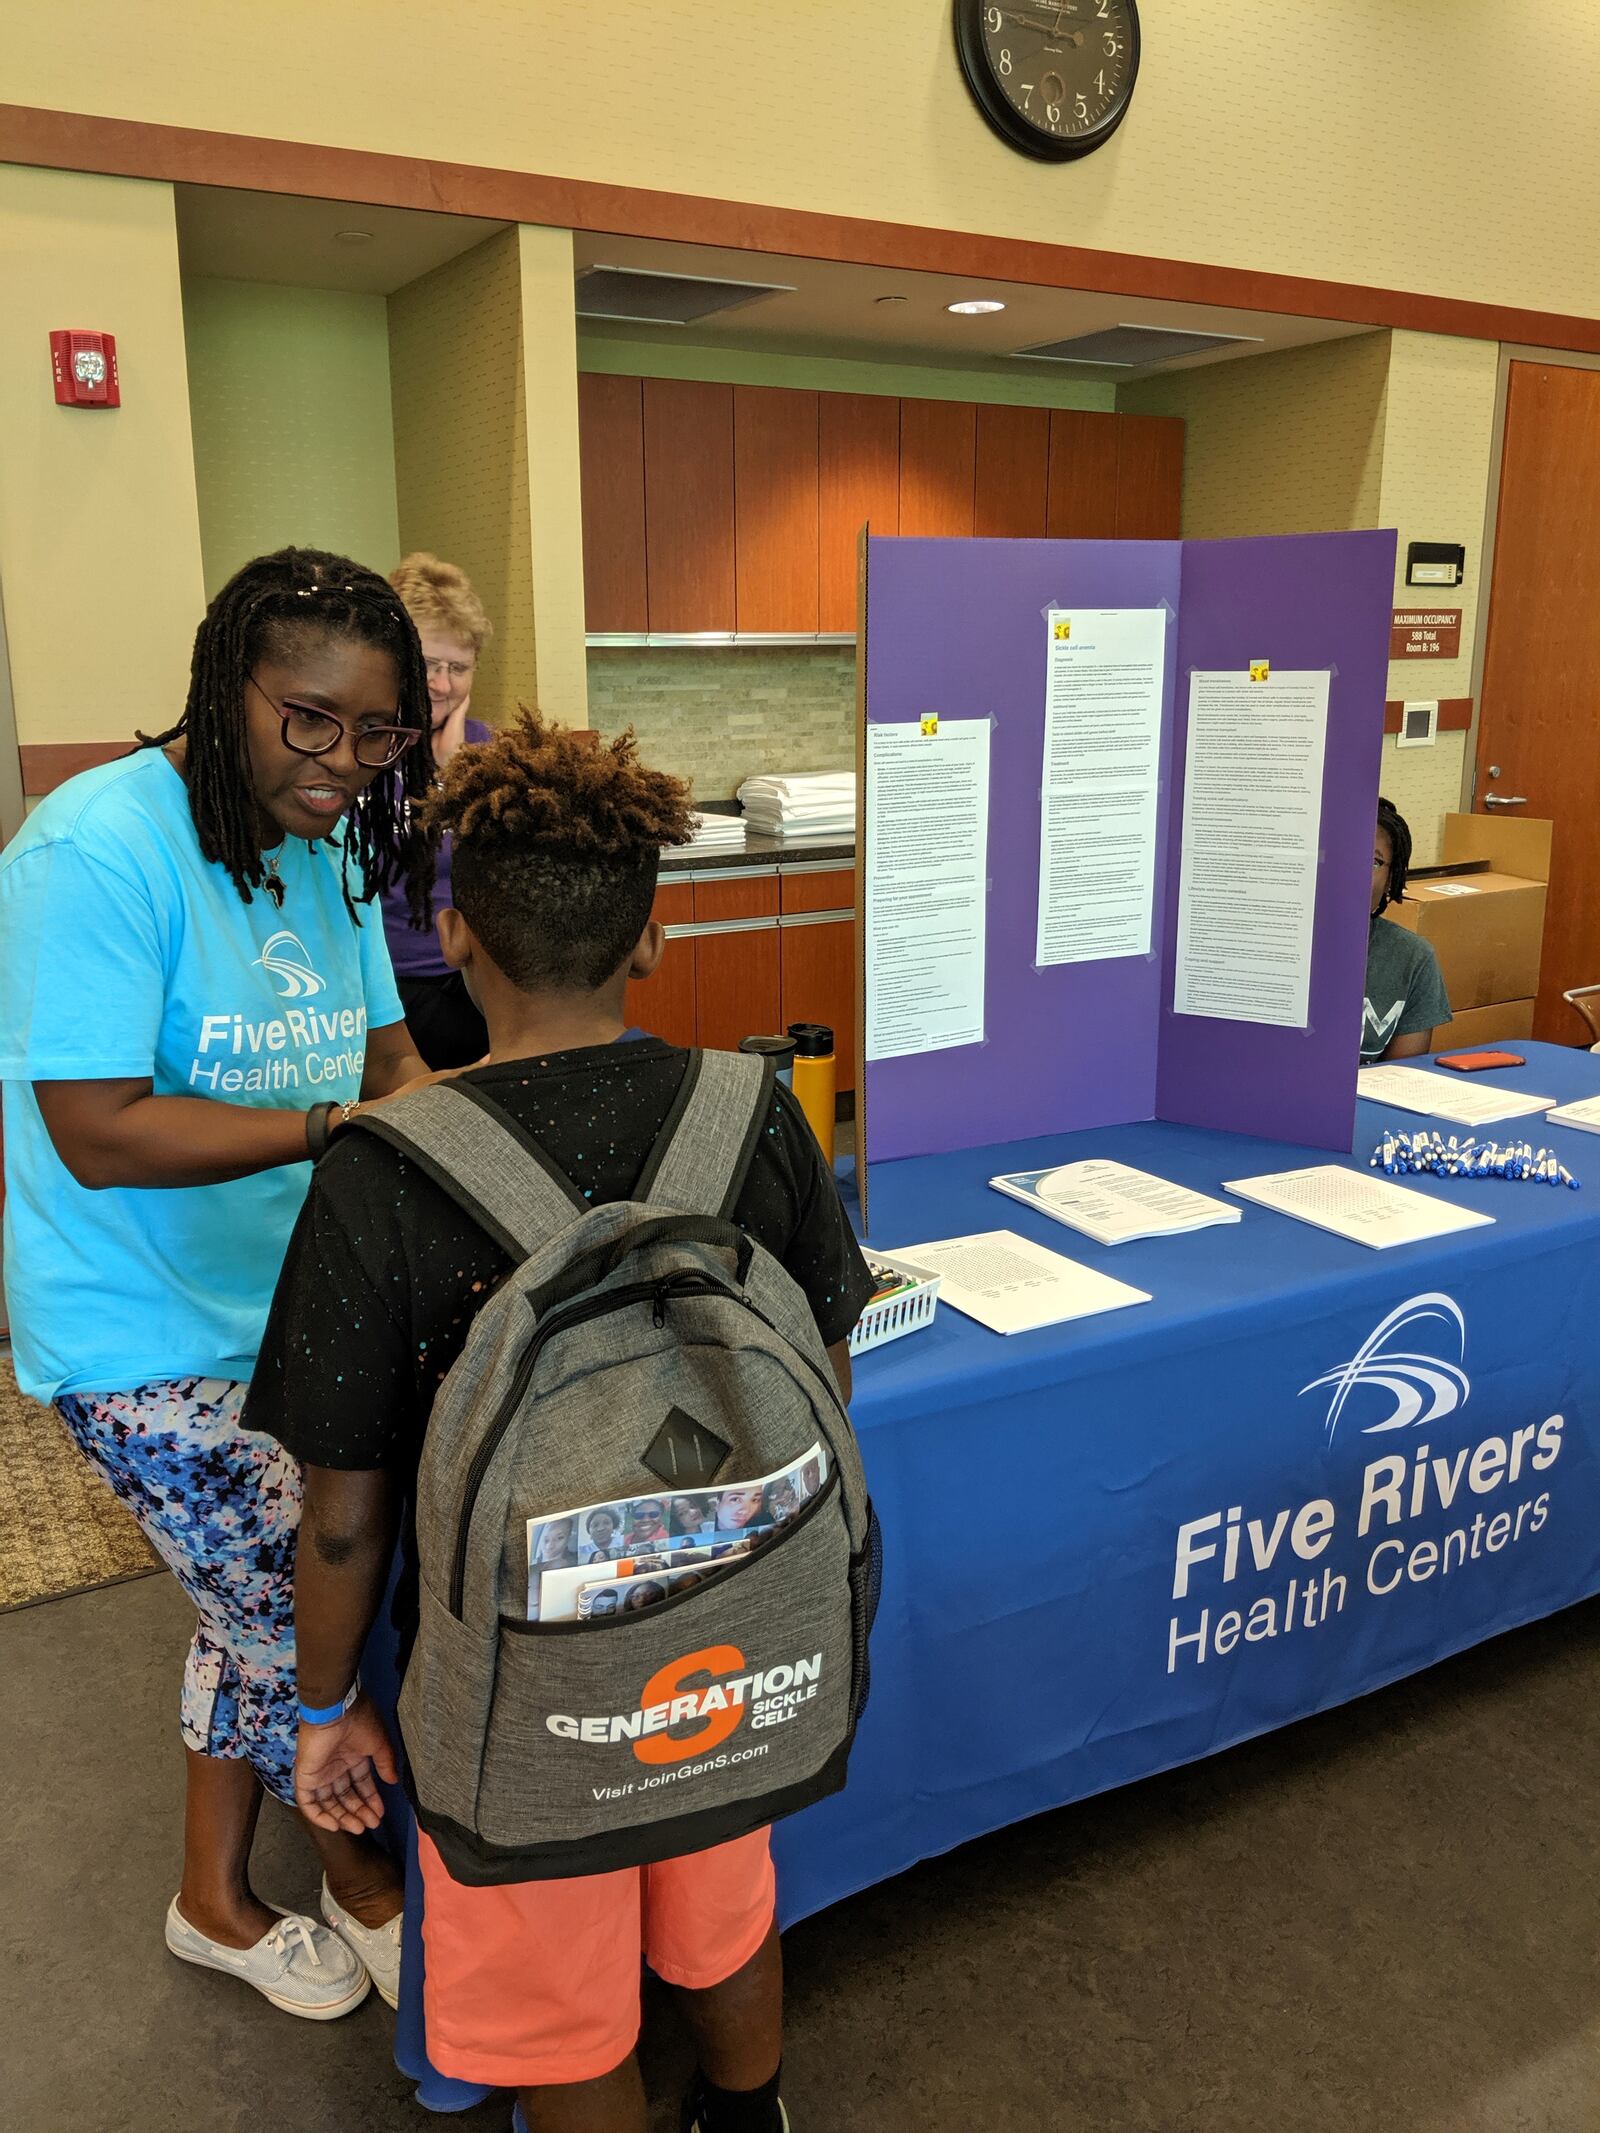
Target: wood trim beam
point(1455, 714)
point(47, 764)
point(70, 140)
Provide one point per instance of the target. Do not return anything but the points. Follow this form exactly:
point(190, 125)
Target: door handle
point(1504, 799)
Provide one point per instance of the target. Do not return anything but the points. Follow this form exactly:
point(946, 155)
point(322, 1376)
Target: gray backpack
point(643, 1351)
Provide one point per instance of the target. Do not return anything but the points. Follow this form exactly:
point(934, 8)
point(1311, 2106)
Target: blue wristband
point(328, 1713)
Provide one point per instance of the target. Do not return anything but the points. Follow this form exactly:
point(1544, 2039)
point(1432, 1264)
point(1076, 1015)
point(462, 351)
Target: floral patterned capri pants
point(221, 1507)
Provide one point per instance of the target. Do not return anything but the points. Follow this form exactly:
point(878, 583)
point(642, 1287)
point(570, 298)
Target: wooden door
point(611, 468)
point(1012, 473)
point(938, 450)
point(1539, 733)
point(737, 993)
point(858, 484)
point(688, 504)
point(775, 508)
point(664, 1003)
point(1082, 501)
point(1149, 477)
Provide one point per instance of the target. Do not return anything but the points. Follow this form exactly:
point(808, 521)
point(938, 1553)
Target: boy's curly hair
point(556, 848)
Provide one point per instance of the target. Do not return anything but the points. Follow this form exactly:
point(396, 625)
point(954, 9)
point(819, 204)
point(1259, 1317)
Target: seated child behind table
point(533, 1985)
point(1405, 996)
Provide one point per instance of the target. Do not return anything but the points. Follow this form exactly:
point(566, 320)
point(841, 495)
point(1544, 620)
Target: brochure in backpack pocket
point(641, 1535)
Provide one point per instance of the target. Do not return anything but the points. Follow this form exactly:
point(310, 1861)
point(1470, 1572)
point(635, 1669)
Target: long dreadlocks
point(260, 612)
point(1391, 819)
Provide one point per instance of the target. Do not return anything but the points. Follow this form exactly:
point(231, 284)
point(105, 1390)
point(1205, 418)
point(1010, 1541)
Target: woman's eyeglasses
point(448, 669)
point(311, 732)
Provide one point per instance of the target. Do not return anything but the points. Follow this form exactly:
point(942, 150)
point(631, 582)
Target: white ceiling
point(278, 237)
point(833, 309)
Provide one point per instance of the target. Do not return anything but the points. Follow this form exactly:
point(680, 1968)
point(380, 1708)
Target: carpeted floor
point(61, 1529)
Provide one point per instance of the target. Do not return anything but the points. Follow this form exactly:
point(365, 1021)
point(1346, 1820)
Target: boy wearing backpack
point(513, 1728)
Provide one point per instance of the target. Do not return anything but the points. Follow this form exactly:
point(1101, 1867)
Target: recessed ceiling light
point(891, 299)
point(352, 236)
point(976, 306)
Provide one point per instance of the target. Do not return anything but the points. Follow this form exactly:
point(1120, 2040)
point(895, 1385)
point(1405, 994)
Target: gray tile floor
point(1381, 1921)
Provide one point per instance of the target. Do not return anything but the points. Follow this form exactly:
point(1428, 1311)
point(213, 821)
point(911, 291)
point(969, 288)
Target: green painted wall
point(293, 436)
point(836, 374)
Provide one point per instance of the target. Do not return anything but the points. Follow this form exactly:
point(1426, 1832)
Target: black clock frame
point(1003, 115)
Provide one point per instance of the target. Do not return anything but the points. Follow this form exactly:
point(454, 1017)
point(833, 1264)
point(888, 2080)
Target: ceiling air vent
point(1132, 347)
point(652, 299)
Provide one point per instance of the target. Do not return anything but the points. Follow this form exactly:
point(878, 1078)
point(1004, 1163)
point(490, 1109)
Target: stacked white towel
point(816, 806)
point(717, 833)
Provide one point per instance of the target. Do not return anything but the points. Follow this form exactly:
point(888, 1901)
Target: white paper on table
point(1101, 782)
point(1354, 1204)
point(1112, 1202)
point(1013, 1285)
point(1463, 1103)
point(1584, 1114)
point(926, 863)
point(1252, 825)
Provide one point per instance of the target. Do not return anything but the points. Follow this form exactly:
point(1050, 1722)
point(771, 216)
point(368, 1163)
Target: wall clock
point(1053, 80)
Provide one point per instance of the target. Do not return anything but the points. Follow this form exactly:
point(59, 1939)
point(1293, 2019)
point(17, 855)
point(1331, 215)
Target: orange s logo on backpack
point(720, 1707)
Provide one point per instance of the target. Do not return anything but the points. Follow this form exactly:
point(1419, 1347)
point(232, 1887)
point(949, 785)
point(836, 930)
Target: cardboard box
point(1480, 1027)
point(1487, 929)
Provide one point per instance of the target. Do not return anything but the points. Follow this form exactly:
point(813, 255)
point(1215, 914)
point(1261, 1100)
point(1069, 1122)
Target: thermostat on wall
point(1419, 725)
point(1435, 563)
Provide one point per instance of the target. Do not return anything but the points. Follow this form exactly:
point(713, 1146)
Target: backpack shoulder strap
point(492, 1167)
point(703, 1152)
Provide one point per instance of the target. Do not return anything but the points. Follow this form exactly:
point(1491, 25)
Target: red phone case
point(1471, 1062)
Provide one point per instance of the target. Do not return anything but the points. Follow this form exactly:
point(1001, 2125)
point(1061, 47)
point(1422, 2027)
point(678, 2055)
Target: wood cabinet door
point(688, 504)
point(819, 984)
point(1082, 504)
point(736, 986)
point(938, 450)
point(858, 484)
point(611, 469)
point(1149, 477)
point(775, 508)
point(1012, 474)
point(664, 1003)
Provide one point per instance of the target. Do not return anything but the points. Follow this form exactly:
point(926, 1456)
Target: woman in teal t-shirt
point(193, 994)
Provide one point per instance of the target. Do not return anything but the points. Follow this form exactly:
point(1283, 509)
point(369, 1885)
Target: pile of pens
point(1400, 1155)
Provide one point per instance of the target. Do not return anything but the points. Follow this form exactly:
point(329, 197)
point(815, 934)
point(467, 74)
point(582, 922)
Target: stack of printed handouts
point(620, 1557)
point(812, 806)
point(1584, 1114)
point(1113, 1203)
point(717, 833)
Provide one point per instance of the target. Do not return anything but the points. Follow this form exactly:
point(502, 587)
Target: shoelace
point(278, 1939)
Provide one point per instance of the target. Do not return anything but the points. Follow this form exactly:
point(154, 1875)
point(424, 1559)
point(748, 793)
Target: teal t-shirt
point(1405, 988)
point(123, 954)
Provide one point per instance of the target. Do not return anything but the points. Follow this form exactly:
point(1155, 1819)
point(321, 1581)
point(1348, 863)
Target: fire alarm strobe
point(85, 367)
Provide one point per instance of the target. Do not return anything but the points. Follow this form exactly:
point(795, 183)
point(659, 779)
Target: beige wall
point(1386, 429)
point(1435, 484)
point(1288, 443)
point(293, 435)
point(99, 532)
point(1446, 145)
point(461, 447)
point(555, 490)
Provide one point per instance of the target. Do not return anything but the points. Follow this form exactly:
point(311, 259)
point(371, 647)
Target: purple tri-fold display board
point(958, 628)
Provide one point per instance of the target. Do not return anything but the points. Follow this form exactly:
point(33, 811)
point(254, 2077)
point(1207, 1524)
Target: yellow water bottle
point(815, 1075)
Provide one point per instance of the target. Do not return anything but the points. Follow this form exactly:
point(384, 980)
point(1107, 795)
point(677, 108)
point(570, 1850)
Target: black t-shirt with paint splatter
point(384, 1271)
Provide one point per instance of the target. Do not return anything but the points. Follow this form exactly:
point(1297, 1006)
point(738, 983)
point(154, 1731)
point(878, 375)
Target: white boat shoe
point(377, 1948)
point(298, 1965)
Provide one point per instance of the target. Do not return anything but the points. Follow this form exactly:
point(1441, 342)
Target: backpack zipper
point(657, 1293)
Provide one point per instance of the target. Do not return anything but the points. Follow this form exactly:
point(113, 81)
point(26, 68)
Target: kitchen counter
point(759, 851)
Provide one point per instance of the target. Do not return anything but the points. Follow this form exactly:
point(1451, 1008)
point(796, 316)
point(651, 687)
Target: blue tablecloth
point(1305, 1469)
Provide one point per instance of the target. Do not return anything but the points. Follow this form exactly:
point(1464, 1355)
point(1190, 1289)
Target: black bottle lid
point(779, 1048)
point(812, 1040)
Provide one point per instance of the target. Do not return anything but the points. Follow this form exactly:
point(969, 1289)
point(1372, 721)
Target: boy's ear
point(648, 950)
point(456, 938)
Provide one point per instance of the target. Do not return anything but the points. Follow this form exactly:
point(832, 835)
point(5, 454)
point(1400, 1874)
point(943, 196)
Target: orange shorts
point(537, 1982)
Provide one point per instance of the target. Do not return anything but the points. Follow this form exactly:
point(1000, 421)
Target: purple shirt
point(413, 954)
